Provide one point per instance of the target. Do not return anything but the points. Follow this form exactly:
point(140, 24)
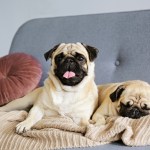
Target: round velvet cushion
point(20, 73)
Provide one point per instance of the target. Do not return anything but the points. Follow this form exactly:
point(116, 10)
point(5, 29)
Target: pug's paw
point(100, 121)
point(23, 127)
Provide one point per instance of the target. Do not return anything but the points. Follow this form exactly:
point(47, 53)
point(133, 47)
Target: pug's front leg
point(99, 119)
point(84, 122)
point(35, 114)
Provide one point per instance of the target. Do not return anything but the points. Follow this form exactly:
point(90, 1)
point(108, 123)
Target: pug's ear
point(117, 93)
point(48, 54)
point(92, 51)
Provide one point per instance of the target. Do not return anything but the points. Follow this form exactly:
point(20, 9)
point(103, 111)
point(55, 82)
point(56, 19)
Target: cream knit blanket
point(62, 132)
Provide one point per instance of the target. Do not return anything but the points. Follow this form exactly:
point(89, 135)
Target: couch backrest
point(122, 38)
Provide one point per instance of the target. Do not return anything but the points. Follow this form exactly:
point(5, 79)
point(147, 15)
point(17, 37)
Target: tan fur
point(77, 102)
point(135, 90)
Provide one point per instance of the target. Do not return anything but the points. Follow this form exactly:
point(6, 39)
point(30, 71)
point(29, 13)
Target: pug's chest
point(66, 103)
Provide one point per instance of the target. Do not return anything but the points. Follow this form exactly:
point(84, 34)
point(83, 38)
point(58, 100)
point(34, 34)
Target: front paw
point(23, 127)
point(99, 119)
point(84, 122)
point(100, 122)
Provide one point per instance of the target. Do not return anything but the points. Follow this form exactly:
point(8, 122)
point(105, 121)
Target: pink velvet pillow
point(20, 73)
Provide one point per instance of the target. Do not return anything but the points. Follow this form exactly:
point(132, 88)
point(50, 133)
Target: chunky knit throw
point(62, 132)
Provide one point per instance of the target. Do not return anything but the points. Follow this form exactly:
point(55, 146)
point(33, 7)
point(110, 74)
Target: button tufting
point(117, 63)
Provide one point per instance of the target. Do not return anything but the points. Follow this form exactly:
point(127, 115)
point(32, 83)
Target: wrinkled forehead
point(143, 91)
point(72, 49)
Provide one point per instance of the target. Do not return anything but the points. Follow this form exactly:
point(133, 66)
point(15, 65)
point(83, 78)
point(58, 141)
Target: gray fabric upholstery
point(122, 38)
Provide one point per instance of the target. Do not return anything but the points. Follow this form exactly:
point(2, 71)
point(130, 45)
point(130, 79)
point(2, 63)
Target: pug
point(128, 99)
point(69, 90)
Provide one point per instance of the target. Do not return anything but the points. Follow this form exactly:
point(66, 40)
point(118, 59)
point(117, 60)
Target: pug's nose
point(69, 60)
point(135, 113)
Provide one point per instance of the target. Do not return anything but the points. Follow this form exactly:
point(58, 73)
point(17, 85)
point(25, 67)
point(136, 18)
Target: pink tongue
point(68, 74)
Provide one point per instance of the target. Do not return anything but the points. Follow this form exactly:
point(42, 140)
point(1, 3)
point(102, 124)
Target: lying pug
point(69, 90)
point(128, 99)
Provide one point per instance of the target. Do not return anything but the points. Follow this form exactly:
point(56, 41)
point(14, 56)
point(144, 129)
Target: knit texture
point(62, 132)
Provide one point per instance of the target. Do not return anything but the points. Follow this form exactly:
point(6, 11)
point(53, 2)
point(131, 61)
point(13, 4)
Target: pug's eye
point(145, 107)
point(59, 57)
point(80, 57)
point(129, 103)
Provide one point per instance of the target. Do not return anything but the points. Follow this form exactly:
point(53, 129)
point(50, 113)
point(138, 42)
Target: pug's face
point(70, 62)
point(132, 100)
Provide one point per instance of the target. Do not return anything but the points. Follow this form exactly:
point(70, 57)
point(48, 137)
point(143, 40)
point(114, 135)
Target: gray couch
point(122, 38)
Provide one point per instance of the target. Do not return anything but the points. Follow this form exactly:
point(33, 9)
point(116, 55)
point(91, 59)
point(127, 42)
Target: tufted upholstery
point(122, 38)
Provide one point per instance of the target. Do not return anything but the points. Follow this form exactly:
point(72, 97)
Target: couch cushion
point(20, 73)
point(122, 38)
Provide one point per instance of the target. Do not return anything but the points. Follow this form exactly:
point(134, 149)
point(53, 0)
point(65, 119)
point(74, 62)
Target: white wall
point(13, 13)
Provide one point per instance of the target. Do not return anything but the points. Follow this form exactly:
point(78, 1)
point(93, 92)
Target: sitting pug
point(128, 99)
point(69, 90)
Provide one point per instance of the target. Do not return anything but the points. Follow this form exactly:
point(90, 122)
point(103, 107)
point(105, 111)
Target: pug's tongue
point(69, 74)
